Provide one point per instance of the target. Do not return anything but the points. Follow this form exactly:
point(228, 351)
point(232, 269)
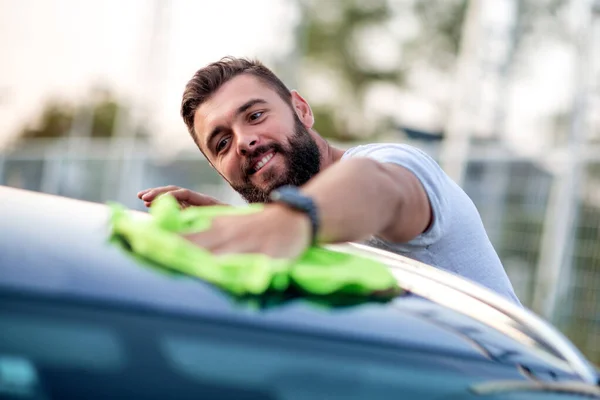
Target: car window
point(61, 343)
point(70, 350)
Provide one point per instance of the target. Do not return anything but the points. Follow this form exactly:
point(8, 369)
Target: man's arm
point(360, 197)
point(356, 198)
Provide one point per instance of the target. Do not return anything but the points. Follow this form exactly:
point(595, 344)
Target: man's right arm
point(185, 197)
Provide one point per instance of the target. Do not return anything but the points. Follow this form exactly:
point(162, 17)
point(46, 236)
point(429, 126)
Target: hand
point(185, 197)
point(277, 231)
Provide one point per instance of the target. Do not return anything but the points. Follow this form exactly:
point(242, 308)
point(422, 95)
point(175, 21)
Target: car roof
point(58, 248)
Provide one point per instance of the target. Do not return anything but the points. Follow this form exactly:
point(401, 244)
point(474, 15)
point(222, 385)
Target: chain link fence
point(513, 197)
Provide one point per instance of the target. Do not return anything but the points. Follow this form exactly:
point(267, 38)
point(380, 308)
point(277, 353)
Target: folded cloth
point(318, 271)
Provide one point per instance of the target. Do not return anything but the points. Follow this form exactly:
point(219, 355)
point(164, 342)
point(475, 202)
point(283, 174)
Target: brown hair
point(206, 81)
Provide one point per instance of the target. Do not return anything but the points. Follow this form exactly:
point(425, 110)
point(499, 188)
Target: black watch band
point(293, 198)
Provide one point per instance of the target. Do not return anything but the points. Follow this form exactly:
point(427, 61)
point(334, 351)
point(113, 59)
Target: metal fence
point(547, 237)
point(515, 195)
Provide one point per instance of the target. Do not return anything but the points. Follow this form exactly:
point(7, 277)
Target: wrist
point(291, 198)
point(296, 221)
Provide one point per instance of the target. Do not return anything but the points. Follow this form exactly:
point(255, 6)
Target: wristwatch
point(293, 198)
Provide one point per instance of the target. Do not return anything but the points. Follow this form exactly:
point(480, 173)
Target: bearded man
point(259, 136)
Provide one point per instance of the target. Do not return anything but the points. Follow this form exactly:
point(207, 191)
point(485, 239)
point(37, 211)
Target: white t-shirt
point(456, 240)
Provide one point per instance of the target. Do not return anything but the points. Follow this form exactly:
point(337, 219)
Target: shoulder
point(384, 149)
point(407, 156)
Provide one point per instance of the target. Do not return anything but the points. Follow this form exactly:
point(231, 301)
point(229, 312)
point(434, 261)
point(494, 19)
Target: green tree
point(55, 120)
point(332, 33)
point(330, 42)
point(58, 117)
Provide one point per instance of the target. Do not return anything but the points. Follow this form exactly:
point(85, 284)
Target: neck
point(329, 154)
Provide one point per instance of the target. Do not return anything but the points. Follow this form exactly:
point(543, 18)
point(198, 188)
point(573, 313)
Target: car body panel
point(55, 250)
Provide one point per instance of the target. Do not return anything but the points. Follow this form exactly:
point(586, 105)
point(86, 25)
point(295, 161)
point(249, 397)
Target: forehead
point(221, 105)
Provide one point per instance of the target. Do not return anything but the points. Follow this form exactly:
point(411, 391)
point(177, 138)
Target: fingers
point(181, 195)
point(141, 193)
point(185, 197)
point(150, 194)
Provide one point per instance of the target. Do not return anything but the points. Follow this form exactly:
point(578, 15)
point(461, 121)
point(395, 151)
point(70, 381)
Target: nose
point(246, 143)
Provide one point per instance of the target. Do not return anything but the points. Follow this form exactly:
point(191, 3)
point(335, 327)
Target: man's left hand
point(277, 231)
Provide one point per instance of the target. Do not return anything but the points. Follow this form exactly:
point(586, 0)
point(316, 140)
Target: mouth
point(260, 164)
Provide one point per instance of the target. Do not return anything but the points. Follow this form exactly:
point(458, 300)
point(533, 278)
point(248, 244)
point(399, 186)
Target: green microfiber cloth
point(318, 271)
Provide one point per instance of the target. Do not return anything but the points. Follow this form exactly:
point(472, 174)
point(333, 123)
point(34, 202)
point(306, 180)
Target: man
point(259, 136)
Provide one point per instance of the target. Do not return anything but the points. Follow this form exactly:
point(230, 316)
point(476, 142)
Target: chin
point(273, 181)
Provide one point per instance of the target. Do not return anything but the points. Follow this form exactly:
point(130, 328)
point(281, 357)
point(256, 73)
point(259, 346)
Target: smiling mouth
point(262, 162)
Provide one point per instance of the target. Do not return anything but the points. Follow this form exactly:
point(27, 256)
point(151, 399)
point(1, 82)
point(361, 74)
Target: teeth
point(263, 161)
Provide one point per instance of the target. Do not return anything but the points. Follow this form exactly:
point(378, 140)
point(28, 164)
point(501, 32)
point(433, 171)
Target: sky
point(63, 47)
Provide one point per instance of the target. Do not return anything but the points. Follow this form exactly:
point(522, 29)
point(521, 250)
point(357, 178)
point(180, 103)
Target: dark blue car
point(81, 319)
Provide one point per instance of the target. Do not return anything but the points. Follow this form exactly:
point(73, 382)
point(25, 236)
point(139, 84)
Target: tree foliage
point(58, 118)
point(331, 41)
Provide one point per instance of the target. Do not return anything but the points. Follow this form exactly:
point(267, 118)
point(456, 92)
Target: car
point(82, 319)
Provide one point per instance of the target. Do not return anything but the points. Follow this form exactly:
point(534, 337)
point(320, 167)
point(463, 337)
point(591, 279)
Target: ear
point(302, 110)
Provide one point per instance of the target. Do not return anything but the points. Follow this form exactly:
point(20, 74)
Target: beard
point(302, 160)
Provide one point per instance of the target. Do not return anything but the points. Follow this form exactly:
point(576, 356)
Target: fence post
point(2, 162)
point(559, 235)
point(455, 147)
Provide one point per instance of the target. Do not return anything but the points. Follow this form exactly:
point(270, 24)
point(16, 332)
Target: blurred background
point(505, 94)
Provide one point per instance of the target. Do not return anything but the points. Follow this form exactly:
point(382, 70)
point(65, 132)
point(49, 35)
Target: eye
point(222, 144)
point(255, 115)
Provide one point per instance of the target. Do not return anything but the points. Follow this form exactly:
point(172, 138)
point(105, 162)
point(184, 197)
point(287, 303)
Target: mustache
point(256, 155)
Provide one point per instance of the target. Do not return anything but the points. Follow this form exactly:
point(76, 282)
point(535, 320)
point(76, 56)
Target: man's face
point(254, 139)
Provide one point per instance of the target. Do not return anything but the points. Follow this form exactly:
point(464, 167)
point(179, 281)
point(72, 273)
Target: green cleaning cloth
point(318, 271)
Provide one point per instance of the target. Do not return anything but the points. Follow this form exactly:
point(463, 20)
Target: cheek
point(277, 131)
point(229, 168)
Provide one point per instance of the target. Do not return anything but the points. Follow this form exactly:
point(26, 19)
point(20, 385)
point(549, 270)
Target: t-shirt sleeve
point(434, 180)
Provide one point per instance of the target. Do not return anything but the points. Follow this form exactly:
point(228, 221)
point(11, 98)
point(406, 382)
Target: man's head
point(252, 129)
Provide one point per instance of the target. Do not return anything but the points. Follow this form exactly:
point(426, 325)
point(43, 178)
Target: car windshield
point(63, 350)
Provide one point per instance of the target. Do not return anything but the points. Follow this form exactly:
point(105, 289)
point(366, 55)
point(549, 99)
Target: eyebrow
point(240, 110)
